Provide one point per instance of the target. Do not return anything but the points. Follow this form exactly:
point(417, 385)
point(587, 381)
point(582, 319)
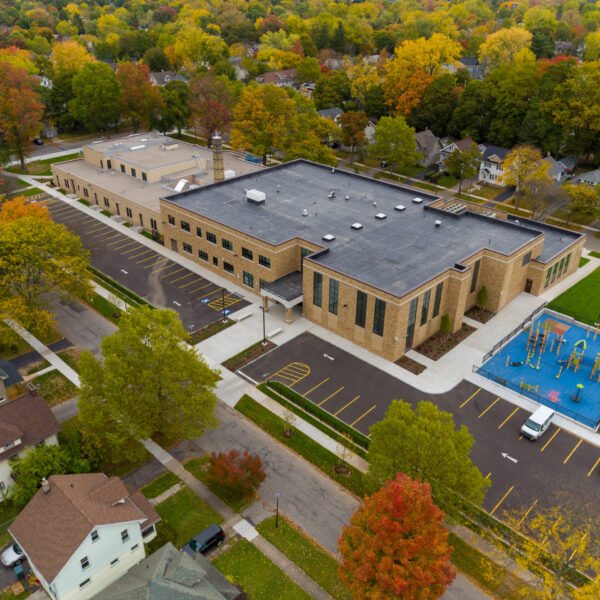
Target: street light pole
point(264, 342)
point(223, 303)
point(277, 510)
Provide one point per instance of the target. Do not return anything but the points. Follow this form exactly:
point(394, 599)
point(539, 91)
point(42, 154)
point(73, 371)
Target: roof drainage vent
point(331, 194)
point(328, 237)
point(400, 207)
point(356, 226)
point(417, 200)
point(305, 213)
point(380, 216)
point(438, 223)
point(347, 197)
point(255, 197)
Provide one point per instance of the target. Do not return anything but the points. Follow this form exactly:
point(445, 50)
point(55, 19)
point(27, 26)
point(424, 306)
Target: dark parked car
point(38, 142)
point(213, 535)
point(384, 163)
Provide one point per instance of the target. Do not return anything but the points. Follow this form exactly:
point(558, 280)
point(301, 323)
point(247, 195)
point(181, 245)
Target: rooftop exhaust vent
point(400, 207)
point(331, 194)
point(180, 185)
point(356, 226)
point(417, 200)
point(138, 147)
point(438, 223)
point(255, 196)
point(305, 213)
point(328, 237)
point(347, 197)
point(380, 216)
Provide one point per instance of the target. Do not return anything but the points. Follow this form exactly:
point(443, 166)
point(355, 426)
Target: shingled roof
point(52, 526)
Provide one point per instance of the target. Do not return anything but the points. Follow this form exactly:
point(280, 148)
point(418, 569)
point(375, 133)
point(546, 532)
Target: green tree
point(424, 443)
point(522, 164)
point(174, 110)
point(542, 43)
point(156, 59)
point(375, 102)
point(582, 199)
point(475, 110)
point(308, 70)
point(463, 165)
point(96, 96)
point(57, 99)
point(482, 298)
point(338, 39)
point(140, 100)
point(352, 124)
point(395, 141)
point(436, 106)
point(148, 381)
point(332, 90)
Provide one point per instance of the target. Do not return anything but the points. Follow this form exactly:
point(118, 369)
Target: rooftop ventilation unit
point(417, 200)
point(305, 213)
point(331, 195)
point(144, 140)
point(328, 237)
point(255, 196)
point(229, 173)
point(400, 207)
point(380, 216)
point(347, 197)
point(438, 223)
point(170, 146)
point(138, 147)
point(356, 226)
point(180, 185)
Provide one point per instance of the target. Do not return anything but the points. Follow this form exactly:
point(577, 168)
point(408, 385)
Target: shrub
point(238, 475)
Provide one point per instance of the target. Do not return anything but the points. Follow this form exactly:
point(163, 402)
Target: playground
point(557, 364)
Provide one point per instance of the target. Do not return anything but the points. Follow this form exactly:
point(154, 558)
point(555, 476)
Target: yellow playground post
point(559, 372)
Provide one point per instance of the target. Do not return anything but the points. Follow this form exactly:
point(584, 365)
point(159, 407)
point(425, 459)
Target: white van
point(537, 423)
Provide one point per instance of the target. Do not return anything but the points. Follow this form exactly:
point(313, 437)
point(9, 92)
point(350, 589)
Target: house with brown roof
point(279, 78)
point(80, 533)
point(24, 422)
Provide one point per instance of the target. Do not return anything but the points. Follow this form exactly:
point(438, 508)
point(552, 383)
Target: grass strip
point(210, 330)
point(82, 201)
point(114, 291)
point(106, 213)
point(38, 367)
point(245, 356)
point(245, 565)
point(160, 484)
point(314, 560)
point(581, 300)
point(583, 261)
point(595, 254)
point(55, 388)
point(303, 445)
point(132, 295)
point(105, 308)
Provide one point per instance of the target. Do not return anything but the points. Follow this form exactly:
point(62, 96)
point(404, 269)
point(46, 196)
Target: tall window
point(122, 168)
point(554, 273)
point(560, 268)
point(425, 307)
point(198, 232)
point(171, 219)
point(317, 289)
point(437, 301)
point(379, 318)
point(361, 309)
point(334, 290)
point(475, 274)
point(227, 244)
point(264, 261)
point(128, 212)
point(567, 262)
point(153, 224)
point(94, 535)
point(185, 226)
point(108, 164)
point(211, 237)
point(133, 172)
point(85, 563)
point(124, 535)
point(144, 178)
point(412, 317)
point(548, 273)
point(249, 279)
point(247, 253)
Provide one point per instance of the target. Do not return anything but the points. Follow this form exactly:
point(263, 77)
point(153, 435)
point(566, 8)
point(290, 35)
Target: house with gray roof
point(491, 168)
point(591, 177)
point(430, 146)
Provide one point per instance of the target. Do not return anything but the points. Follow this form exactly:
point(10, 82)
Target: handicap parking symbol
point(226, 311)
point(204, 300)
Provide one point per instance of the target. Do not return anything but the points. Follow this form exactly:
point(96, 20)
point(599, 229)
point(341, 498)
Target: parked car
point(213, 535)
point(38, 142)
point(12, 556)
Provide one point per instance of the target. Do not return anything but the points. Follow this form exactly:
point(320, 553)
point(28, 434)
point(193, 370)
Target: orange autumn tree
point(396, 546)
point(20, 207)
point(140, 101)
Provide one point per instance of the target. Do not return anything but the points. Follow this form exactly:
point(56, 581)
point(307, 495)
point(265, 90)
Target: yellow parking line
point(470, 397)
point(79, 216)
point(189, 283)
point(507, 418)
point(182, 277)
point(209, 294)
point(143, 260)
point(200, 288)
point(161, 261)
point(553, 436)
point(363, 415)
point(592, 469)
point(526, 514)
point(332, 395)
point(503, 499)
point(140, 253)
point(64, 209)
point(234, 302)
point(162, 268)
point(488, 408)
point(488, 475)
point(577, 547)
point(312, 389)
point(571, 453)
point(110, 237)
point(95, 227)
point(345, 406)
point(172, 273)
point(129, 243)
point(100, 233)
point(131, 250)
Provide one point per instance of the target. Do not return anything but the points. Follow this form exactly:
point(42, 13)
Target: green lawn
point(42, 167)
point(160, 484)
point(581, 300)
point(262, 580)
point(106, 213)
point(316, 562)
point(71, 357)
point(447, 181)
point(105, 308)
point(55, 388)
point(196, 467)
point(583, 262)
point(595, 254)
point(185, 515)
point(38, 366)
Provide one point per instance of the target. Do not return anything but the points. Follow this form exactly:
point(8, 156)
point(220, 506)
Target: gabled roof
point(172, 575)
point(162, 77)
point(284, 75)
point(52, 526)
point(426, 141)
point(590, 176)
point(12, 374)
point(29, 418)
point(568, 162)
point(462, 145)
point(492, 151)
point(557, 170)
point(330, 113)
point(470, 62)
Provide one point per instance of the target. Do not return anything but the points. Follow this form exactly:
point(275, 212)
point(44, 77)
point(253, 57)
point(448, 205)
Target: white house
point(24, 422)
point(461, 145)
point(491, 169)
point(590, 177)
point(80, 533)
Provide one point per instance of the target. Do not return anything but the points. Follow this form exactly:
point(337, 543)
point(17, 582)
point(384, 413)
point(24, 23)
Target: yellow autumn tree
point(69, 56)
point(502, 46)
point(362, 77)
point(521, 165)
point(18, 57)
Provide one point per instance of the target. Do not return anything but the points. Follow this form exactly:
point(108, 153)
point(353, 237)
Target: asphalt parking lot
point(524, 474)
point(159, 280)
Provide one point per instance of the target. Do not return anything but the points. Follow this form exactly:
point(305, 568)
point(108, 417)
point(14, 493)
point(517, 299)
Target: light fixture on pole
point(277, 495)
point(264, 340)
point(223, 303)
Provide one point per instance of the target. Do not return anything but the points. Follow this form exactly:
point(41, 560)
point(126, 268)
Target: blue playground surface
point(531, 363)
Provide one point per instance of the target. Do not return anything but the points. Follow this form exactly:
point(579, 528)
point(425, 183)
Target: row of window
point(123, 169)
point(85, 563)
point(414, 303)
point(558, 269)
point(263, 261)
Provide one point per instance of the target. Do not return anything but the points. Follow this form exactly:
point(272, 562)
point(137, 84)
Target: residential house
point(331, 113)
point(161, 78)
point(491, 168)
point(557, 170)
point(80, 533)
point(169, 573)
point(462, 145)
point(240, 72)
point(25, 422)
point(591, 178)
point(472, 65)
point(283, 78)
point(430, 146)
point(370, 131)
point(307, 89)
point(9, 376)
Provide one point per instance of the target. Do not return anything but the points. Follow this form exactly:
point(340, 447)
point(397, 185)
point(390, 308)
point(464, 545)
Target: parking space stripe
point(131, 250)
point(161, 261)
point(129, 243)
point(190, 282)
point(140, 253)
point(208, 294)
point(526, 514)
point(172, 273)
point(507, 418)
point(63, 210)
point(182, 277)
point(488, 408)
point(143, 260)
point(503, 499)
point(200, 288)
point(470, 398)
point(331, 396)
point(312, 389)
point(363, 415)
point(102, 232)
point(99, 226)
point(553, 436)
point(335, 414)
point(572, 451)
point(592, 469)
point(162, 268)
point(488, 475)
point(110, 237)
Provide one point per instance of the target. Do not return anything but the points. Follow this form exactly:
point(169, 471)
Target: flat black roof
point(396, 253)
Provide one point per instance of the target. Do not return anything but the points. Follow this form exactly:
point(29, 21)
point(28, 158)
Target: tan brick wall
point(537, 271)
